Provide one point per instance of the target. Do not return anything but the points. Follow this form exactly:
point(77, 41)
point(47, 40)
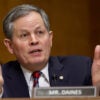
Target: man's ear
point(51, 36)
point(8, 44)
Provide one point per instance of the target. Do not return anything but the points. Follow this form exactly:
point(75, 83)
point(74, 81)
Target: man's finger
point(97, 53)
point(1, 80)
point(1, 77)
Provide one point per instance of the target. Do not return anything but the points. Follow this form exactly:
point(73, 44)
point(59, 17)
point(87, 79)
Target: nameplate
point(64, 92)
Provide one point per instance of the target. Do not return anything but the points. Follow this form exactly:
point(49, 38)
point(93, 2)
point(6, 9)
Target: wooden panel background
point(75, 23)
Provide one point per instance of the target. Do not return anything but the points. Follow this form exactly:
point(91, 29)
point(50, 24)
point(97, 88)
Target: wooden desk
point(76, 98)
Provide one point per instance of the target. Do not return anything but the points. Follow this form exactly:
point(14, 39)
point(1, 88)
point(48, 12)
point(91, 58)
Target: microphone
point(54, 77)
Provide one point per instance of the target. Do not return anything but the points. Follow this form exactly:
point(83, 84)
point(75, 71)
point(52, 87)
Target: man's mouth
point(35, 51)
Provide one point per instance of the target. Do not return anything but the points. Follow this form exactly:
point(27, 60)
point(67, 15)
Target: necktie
point(36, 76)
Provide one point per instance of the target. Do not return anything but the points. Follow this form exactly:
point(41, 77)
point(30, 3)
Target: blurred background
point(75, 24)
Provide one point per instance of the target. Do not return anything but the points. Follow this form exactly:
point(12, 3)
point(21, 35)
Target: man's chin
point(37, 62)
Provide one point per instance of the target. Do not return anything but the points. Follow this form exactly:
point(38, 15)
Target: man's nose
point(33, 39)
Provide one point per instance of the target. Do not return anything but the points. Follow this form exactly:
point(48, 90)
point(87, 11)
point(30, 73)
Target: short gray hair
point(21, 11)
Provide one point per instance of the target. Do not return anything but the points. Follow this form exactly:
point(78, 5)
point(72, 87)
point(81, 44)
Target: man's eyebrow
point(23, 30)
point(38, 27)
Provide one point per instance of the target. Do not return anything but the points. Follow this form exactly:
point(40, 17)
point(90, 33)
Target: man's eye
point(40, 32)
point(23, 35)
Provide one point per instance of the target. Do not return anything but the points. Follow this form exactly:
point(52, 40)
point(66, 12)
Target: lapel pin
point(61, 77)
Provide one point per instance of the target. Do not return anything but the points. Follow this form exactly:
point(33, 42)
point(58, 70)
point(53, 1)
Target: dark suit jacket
point(76, 71)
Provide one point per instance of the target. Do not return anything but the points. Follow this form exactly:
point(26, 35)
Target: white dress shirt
point(43, 80)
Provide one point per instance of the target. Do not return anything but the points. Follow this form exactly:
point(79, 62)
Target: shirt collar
point(27, 73)
point(45, 72)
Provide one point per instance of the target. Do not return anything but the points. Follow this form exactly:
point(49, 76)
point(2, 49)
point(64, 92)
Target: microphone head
point(54, 77)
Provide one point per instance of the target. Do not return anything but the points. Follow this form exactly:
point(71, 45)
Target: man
point(29, 38)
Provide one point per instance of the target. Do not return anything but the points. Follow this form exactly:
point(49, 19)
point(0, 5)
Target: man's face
point(31, 42)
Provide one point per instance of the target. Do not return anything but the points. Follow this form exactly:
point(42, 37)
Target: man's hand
point(1, 80)
point(96, 67)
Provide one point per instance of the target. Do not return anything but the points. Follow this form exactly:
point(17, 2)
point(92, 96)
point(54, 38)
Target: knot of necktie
point(36, 76)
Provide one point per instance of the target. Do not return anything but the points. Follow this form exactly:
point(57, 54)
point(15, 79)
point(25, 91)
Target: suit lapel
point(55, 72)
